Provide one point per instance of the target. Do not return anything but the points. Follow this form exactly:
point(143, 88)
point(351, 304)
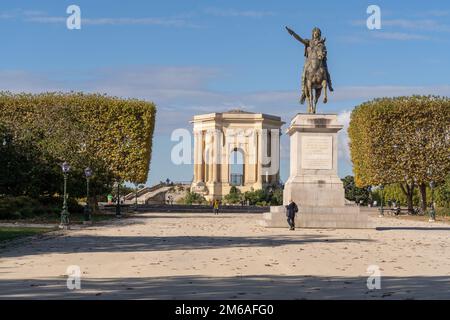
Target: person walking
point(216, 206)
point(291, 211)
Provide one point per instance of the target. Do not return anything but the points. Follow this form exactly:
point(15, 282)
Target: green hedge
point(24, 207)
point(38, 132)
point(85, 129)
point(400, 139)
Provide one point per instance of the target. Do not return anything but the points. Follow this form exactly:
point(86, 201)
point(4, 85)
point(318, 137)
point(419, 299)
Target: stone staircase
point(176, 208)
point(154, 194)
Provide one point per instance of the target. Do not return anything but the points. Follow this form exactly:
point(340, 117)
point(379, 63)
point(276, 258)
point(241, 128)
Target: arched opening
point(236, 164)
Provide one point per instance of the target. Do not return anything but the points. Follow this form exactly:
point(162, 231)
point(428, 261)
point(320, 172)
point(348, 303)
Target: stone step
point(348, 217)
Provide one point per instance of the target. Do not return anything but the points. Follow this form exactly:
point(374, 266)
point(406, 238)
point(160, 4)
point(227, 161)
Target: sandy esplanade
point(202, 256)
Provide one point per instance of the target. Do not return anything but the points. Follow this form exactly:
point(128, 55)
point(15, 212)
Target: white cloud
point(181, 92)
point(408, 24)
point(46, 19)
point(438, 13)
point(37, 16)
point(170, 22)
point(137, 21)
point(22, 81)
point(343, 140)
point(401, 29)
point(402, 36)
point(371, 92)
point(5, 15)
point(423, 24)
point(235, 13)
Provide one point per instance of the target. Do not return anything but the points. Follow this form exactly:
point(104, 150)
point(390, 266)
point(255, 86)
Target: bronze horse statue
point(315, 76)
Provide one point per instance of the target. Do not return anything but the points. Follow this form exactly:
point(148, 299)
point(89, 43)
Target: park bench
point(394, 210)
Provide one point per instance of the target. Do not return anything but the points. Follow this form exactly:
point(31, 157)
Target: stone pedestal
point(313, 179)
point(313, 182)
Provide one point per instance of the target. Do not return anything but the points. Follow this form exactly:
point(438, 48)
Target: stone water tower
point(235, 148)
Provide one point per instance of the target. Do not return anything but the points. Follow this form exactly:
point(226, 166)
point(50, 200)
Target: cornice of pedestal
point(307, 122)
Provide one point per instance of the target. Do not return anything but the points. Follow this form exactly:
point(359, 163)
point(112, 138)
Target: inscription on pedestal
point(317, 152)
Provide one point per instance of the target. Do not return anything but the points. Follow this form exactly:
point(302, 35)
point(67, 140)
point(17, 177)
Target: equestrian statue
point(315, 75)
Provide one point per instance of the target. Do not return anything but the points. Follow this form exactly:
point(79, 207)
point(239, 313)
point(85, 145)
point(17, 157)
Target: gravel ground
point(202, 256)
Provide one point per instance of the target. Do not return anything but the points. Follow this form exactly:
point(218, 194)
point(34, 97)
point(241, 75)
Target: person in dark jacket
point(291, 211)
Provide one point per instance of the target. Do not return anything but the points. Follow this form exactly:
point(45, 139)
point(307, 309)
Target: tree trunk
point(423, 196)
point(93, 203)
point(408, 191)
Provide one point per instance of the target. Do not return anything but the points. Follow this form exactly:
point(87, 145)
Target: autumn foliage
point(402, 140)
point(112, 135)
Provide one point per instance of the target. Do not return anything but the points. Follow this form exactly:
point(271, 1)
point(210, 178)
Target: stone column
point(201, 164)
point(259, 157)
point(209, 162)
point(215, 154)
point(196, 157)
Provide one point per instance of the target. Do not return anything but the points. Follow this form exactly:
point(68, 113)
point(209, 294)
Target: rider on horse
point(309, 43)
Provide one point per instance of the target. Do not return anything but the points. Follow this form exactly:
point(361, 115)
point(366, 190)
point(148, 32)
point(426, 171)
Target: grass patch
point(10, 233)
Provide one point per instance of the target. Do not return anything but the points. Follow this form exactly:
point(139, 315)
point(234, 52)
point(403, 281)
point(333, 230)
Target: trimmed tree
point(355, 193)
point(401, 140)
point(111, 135)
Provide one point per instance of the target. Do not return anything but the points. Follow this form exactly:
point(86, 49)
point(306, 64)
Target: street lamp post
point(432, 209)
point(136, 198)
point(65, 211)
point(381, 201)
point(87, 209)
point(118, 212)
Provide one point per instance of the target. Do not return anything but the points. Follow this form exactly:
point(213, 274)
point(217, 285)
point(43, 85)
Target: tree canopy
point(354, 193)
point(111, 135)
point(402, 140)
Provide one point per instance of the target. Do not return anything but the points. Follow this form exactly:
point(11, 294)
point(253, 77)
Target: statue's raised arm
point(297, 37)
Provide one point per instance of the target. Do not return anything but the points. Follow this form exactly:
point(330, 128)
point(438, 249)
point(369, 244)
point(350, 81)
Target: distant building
point(235, 148)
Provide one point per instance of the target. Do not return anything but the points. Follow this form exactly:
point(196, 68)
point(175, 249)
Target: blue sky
point(191, 57)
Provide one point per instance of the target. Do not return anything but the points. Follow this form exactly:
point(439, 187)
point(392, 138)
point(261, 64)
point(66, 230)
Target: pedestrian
point(291, 211)
point(216, 206)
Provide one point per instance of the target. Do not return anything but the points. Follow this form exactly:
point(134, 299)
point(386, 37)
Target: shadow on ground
point(414, 228)
point(87, 243)
point(246, 287)
point(170, 215)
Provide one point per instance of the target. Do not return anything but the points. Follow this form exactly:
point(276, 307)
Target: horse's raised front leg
point(325, 94)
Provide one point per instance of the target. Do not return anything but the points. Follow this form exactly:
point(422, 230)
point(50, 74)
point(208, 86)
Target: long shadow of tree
point(414, 228)
point(87, 243)
point(242, 287)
